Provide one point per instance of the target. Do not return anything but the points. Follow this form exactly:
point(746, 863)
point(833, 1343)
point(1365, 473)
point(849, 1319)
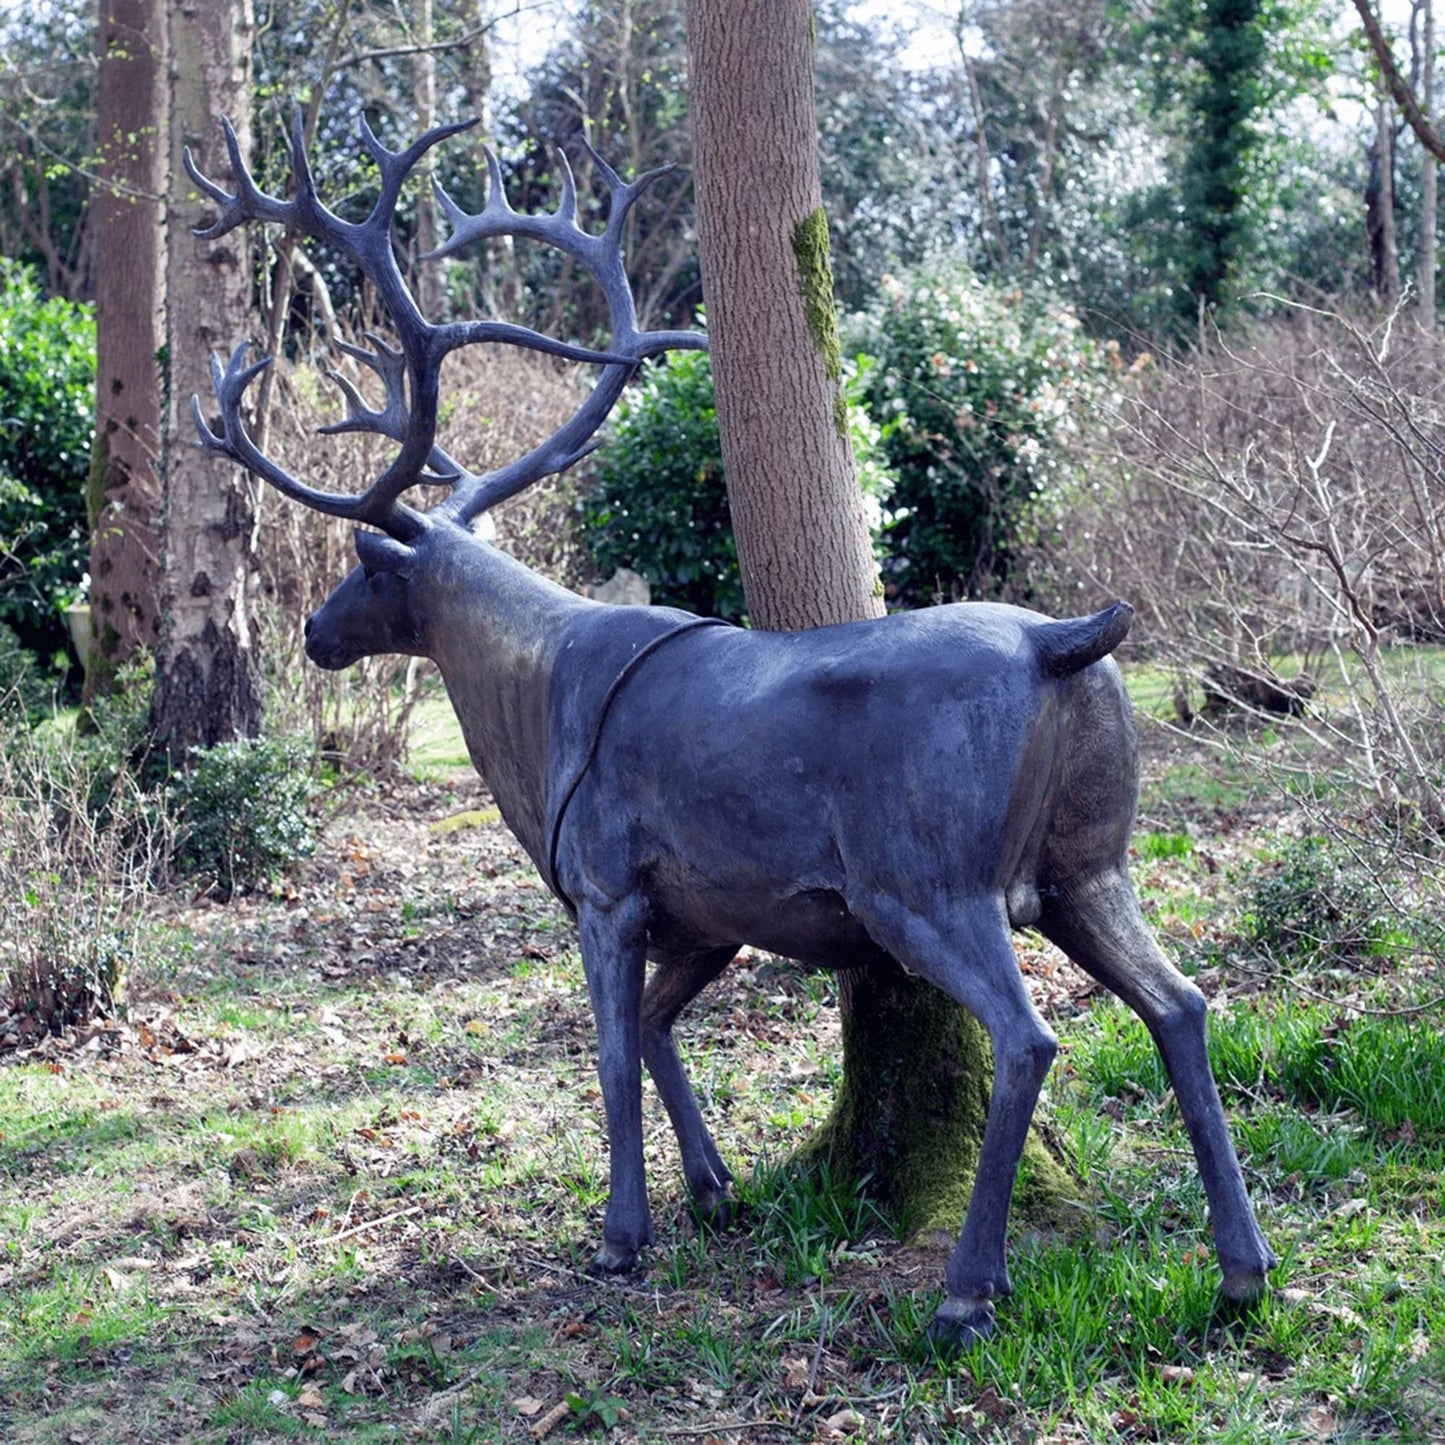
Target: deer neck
point(496, 644)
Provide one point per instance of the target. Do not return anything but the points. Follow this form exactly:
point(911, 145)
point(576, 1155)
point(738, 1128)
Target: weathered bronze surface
point(910, 787)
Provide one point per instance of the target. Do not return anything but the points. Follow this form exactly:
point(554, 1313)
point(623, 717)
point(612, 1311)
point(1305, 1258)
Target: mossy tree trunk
point(916, 1067)
point(763, 241)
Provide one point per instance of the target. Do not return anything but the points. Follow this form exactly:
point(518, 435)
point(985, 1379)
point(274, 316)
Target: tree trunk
point(1380, 205)
point(802, 536)
point(1428, 207)
point(992, 227)
point(915, 1066)
point(123, 497)
point(207, 679)
point(427, 275)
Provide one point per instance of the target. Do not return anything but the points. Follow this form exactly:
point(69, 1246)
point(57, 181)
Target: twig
point(580, 1274)
point(1399, 1011)
point(808, 1389)
point(431, 1412)
point(369, 1224)
point(727, 1427)
point(551, 1419)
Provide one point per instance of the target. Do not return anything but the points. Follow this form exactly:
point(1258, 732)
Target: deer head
point(382, 605)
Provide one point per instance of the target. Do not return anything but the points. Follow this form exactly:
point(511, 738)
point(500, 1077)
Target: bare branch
point(1399, 87)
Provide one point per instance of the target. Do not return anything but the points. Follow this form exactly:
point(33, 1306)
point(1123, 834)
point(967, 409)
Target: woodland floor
point(338, 1169)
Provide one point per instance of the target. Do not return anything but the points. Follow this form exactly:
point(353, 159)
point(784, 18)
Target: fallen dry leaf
point(527, 1405)
point(992, 1404)
point(795, 1374)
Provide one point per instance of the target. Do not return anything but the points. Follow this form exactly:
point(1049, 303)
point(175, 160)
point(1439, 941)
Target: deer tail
point(1067, 647)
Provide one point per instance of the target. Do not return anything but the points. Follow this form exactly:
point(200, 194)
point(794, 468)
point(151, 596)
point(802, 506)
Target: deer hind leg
point(969, 955)
point(613, 958)
point(673, 985)
point(1099, 925)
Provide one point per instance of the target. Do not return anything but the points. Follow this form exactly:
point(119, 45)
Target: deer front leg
point(673, 985)
point(613, 953)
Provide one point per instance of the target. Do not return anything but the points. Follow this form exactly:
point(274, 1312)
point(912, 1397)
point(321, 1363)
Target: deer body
point(908, 788)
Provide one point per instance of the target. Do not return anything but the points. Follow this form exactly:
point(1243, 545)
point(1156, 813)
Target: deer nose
point(306, 630)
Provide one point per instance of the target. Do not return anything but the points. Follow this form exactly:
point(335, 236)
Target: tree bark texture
point(1428, 162)
point(207, 678)
point(427, 276)
point(123, 498)
point(797, 512)
point(1380, 205)
point(916, 1067)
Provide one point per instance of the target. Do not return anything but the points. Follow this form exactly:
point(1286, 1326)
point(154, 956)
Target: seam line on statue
point(618, 682)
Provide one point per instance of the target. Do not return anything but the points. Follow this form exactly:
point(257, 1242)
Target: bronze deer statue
point(912, 787)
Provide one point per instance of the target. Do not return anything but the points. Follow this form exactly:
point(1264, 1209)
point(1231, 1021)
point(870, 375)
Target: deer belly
point(811, 925)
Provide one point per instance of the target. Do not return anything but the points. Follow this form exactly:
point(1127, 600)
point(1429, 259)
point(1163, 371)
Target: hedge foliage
point(968, 407)
point(658, 501)
point(982, 396)
point(47, 408)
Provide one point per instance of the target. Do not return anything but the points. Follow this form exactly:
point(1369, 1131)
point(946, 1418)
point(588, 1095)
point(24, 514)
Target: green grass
point(358, 1173)
point(1388, 1069)
point(436, 748)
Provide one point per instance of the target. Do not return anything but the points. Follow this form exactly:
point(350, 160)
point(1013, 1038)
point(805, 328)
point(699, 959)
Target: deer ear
point(382, 554)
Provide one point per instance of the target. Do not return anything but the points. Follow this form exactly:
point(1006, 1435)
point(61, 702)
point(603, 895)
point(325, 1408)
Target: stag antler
point(410, 373)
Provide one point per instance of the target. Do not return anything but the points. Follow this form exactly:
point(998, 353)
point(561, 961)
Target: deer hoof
point(1244, 1287)
point(615, 1259)
point(960, 1323)
point(714, 1208)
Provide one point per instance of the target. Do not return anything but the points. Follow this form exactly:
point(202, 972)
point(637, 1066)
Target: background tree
point(208, 686)
point(1229, 49)
point(124, 489)
point(1428, 202)
point(47, 133)
point(911, 1106)
point(1380, 203)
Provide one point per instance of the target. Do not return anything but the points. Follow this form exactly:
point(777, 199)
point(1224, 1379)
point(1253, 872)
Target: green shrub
point(77, 854)
point(242, 810)
point(1319, 902)
point(982, 396)
point(658, 503)
point(25, 695)
point(47, 407)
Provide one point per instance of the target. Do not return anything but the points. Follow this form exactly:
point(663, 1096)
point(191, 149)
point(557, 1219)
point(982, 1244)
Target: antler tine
point(307, 204)
point(389, 363)
point(623, 194)
point(567, 206)
point(377, 506)
point(396, 166)
point(249, 203)
point(498, 218)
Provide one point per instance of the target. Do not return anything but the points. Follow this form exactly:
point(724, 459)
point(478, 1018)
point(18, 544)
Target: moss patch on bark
point(815, 281)
point(910, 1113)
